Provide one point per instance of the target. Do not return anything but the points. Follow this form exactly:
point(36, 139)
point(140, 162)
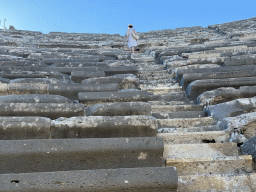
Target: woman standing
point(131, 41)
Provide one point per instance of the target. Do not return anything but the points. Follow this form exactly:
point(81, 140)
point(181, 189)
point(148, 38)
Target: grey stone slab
point(52, 60)
point(197, 87)
point(180, 114)
point(119, 109)
point(34, 98)
point(150, 179)
point(41, 80)
point(28, 88)
point(104, 127)
point(24, 128)
point(22, 74)
point(4, 80)
point(72, 90)
point(78, 76)
point(103, 97)
point(50, 110)
point(180, 72)
point(22, 63)
point(121, 70)
point(65, 70)
point(232, 108)
point(47, 155)
point(237, 123)
point(249, 147)
point(79, 64)
point(240, 60)
point(178, 96)
point(247, 91)
point(126, 81)
point(188, 78)
point(219, 95)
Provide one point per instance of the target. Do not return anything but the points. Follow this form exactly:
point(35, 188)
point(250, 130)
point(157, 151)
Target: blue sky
point(113, 16)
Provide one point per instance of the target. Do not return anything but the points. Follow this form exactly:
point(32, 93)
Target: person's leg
point(132, 49)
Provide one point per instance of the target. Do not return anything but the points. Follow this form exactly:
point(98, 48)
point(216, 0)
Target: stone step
point(190, 129)
point(197, 87)
point(180, 72)
point(34, 98)
point(67, 70)
point(104, 127)
point(78, 76)
point(161, 89)
point(50, 110)
point(91, 98)
point(179, 114)
point(42, 80)
point(185, 151)
point(151, 179)
point(175, 108)
point(170, 103)
point(188, 78)
point(119, 109)
point(186, 122)
point(24, 128)
point(157, 82)
point(195, 137)
point(175, 96)
point(209, 165)
point(217, 182)
point(66, 89)
point(46, 155)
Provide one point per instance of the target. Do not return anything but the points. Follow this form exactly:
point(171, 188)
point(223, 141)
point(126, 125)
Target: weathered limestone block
point(78, 76)
point(34, 98)
point(238, 122)
point(58, 60)
point(50, 110)
point(79, 64)
point(232, 108)
point(213, 60)
point(240, 60)
point(24, 128)
point(71, 90)
point(182, 151)
point(3, 89)
point(217, 182)
point(150, 179)
point(28, 88)
point(119, 109)
point(178, 96)
point(103, 97)
point(40, 80)
point(249, 148)
point(121, 70)
point(126, 81)
point(4, 80)
point(103, 127)
point(224, 165)
point(197, 87)
point(219, 95)
point(22, 74)
point(188, 78)
point(64, 70)
point(179, 114)
point(22, 63)
point(47, 155)
point(247, 91)
point(180, 72)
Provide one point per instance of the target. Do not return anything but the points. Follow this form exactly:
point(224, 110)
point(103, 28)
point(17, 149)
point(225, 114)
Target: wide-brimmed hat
point(130, 25)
